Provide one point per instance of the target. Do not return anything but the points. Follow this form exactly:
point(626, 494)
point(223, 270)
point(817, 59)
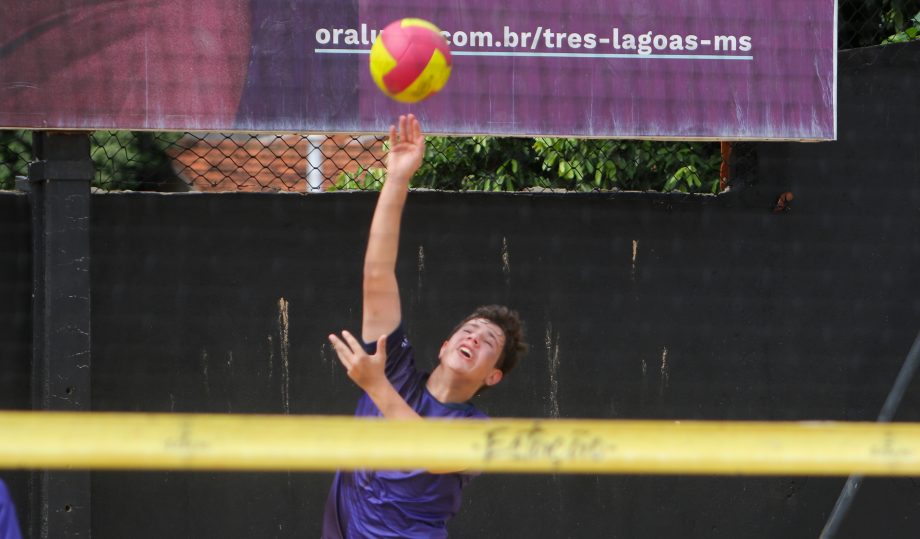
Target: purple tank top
point(9, 526)
point(380, 504)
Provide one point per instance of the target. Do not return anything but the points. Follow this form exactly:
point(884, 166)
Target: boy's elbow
point(377, 276)
point(377, 270)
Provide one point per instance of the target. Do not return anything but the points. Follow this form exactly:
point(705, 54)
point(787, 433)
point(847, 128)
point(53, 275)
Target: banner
point(669, 69)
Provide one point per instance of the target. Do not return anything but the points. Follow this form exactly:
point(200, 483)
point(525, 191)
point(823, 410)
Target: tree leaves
point(512, 164)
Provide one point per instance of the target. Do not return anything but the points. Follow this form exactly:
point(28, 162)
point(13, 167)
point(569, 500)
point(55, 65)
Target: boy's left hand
point(407, 149)
point(364, 369)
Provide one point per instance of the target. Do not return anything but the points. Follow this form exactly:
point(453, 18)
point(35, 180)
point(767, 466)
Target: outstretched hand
point(407, 148)
point(364, 369)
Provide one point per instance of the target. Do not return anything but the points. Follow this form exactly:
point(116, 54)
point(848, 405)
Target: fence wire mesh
point(165, 162)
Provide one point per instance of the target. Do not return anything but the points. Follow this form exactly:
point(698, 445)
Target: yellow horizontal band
point(107, 441)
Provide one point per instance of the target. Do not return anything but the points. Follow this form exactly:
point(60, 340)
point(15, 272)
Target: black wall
point(15, 323)
point(638, 306)
point(15, 301)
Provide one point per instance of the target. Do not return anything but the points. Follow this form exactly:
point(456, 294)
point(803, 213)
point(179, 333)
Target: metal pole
point(60, 198)
point(851, 487)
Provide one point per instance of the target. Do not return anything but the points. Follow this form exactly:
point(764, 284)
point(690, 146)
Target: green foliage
point(122, 159)
point(698, 168)
point(864, 23)
point(129, 160)
point(15, 154)
point(909, 33)
point(364, 179)
point(515, 164)
point(480, 164)
point(579, 165)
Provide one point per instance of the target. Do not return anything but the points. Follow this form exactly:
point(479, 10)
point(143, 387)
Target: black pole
point(851, 487)
point(59, 183)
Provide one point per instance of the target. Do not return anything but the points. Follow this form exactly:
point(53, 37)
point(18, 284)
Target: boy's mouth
point(465, 352)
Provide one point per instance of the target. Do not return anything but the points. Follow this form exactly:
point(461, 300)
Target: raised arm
point(381, 311)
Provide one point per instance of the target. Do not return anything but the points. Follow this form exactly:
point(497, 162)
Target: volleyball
point(410, 60)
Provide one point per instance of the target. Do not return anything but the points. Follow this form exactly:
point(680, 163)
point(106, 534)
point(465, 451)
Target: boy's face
point(473, 351)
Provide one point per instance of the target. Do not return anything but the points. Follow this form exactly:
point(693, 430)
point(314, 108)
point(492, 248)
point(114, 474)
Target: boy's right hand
point(407, 149)
point(364, 369)
point(368, 372)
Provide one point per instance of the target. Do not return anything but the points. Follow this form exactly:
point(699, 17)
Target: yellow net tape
point(124, 441)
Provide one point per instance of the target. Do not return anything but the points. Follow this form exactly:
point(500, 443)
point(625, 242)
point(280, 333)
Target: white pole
point(315, 159)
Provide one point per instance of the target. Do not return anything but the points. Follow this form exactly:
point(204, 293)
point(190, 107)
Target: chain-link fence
point(306, 163)
point(864, 23)
point(148, 161)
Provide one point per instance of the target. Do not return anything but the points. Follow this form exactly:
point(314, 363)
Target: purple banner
point(670, 69)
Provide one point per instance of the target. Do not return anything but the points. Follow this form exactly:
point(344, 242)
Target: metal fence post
point(60, 198)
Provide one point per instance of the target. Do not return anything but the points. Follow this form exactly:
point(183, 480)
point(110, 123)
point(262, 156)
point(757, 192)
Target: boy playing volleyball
point(481, 349)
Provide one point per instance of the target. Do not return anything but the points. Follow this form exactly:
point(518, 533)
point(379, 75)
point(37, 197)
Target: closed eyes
point(490, 339)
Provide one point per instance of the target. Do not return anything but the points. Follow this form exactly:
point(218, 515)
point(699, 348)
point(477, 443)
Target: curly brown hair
point(510, 323)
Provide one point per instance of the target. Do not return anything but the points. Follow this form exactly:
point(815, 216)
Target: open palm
point(407, 148)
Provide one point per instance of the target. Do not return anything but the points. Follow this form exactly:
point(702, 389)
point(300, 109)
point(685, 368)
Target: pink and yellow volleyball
point(410, 60)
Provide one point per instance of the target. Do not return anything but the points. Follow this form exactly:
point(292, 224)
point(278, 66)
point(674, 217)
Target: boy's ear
point(441, 351)
point(494, 377)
